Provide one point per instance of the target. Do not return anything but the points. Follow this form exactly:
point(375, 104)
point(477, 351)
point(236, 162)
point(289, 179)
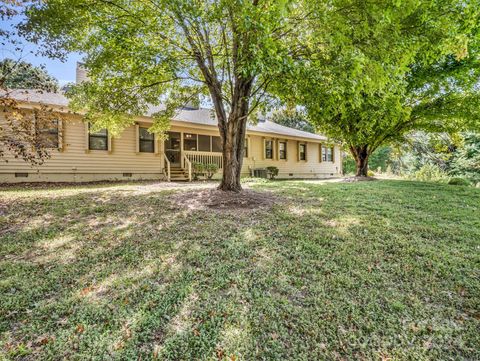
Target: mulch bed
point(217, 200)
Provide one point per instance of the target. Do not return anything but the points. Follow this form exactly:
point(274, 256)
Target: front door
point(172, 149)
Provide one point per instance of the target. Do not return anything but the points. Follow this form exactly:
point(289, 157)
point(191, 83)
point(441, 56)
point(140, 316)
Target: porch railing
point(188, 165)
point(205, 158)
point(167, 162)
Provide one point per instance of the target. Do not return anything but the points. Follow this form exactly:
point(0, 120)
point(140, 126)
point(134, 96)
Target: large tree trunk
point(361, 155)
point(233, 133)
point(233, 148)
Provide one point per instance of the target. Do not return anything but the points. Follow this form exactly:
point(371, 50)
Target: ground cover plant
point(326, 270)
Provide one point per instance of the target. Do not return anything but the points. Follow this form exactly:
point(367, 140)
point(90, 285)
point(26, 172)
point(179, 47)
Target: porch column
point(181, 150)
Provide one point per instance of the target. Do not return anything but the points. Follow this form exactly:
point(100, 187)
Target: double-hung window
point(98, 140)
point(302, 151)
point(330, 154)
point(327, 153)
point(146, 141)
point(47, 132)
point(268, 149)
point(282, 150)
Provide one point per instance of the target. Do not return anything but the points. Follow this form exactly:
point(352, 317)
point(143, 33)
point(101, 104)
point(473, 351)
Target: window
point(282, 150)
point(269, 149)
point(327, 154)
point(204, 143)
point(216, 144)
point(330, 154)
point(189, 141)
point(47, 132)
point(147, 141)
point(98, 140)
point(302, 151)
point(323, 153)
point(245, 152)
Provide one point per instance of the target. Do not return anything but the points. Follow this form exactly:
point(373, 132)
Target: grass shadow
point(338, 271)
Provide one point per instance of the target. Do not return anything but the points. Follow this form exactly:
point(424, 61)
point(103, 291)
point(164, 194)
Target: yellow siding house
point(78, 155)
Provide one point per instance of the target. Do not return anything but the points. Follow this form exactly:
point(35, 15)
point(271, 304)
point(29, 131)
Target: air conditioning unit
point(260, 173)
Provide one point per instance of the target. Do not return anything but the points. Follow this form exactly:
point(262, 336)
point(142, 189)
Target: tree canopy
point(377, 69)
point(141, 53)
point(294, 119)
point(17, 74)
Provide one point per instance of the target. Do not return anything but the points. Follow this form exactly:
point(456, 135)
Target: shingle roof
point(37, 96)
point(200, 116)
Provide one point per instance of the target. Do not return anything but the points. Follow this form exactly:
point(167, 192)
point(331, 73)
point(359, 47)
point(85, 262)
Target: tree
point(141, 52)
point(22, 131)
point(466, 159)
point(23, 75)
point(379, 69)
point(294, 119)
point(379, 159)
point(454, 154)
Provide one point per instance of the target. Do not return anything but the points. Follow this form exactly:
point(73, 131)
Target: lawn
point(386, 270)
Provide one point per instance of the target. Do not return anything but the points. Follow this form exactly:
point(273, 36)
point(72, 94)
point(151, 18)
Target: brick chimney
point(80, 74)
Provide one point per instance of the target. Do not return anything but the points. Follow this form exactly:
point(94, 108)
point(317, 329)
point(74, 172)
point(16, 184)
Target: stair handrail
point(189, 166)
point(168, 166)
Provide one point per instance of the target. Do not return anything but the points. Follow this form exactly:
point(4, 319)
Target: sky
point(64, 72)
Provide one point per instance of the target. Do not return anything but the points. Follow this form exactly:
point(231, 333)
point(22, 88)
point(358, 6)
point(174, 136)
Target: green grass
point(372, 270)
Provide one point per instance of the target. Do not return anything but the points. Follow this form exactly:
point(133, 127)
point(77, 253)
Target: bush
point(430, 172)
point(370, 173)
point(210, 170)
point(197, 169)
point(272, 172)
point(459, 181)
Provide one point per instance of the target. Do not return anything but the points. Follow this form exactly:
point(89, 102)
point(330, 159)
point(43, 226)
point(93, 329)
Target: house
point(78, 155)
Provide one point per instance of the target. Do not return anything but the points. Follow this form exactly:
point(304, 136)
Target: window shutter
point(137, 138)
point(286, 150)
point(306, 152)
point(320, 154)
point(87, 150)
point(110, 142)
point(298, 151)
point(61, 146)
point(264, 148)
point(333, 154)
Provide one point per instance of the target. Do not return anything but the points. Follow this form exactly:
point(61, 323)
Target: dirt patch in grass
point(217, 200)
point(359, 179)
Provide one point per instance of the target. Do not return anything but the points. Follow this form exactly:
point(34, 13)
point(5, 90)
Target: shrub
point(272, 172)
point(370, 173)
point(459, 181)
point(197, 169)
point(211, 169)
point(430, 172)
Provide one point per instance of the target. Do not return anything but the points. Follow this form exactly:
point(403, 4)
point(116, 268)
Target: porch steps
point(178, 174)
